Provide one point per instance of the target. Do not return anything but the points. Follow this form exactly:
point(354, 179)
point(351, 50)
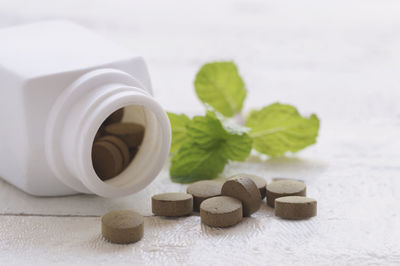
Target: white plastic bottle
point(58, 82)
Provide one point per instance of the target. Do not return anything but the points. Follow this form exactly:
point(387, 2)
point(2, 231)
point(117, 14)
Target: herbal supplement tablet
point(203, 190)
point(115, 117)
point(282, 188)
point(295, 207)
point(122, 227)
point(172, 204)
point(107, 159)
point(221, 211)
point(123, 148)
point(131, 133)
point(245, 190)
point(260, 183)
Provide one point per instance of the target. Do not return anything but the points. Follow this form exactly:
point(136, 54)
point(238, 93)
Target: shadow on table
point(304, 169)
point(14, 201)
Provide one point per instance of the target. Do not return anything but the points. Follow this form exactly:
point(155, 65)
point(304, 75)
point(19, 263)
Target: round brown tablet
point(282, 188)
point(260, 183)
point(122, 227)
point(123, 148)
point(245, 190)
point(295, 207)
point(107, 159)
point(221, 211)
point(131, 133)
point(203, 190)
point(172, 204)
point(115, 117)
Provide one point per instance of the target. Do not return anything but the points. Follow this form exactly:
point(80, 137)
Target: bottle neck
point(82, 116)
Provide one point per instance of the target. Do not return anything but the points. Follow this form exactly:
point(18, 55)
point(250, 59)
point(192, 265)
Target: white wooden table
point(339, 59)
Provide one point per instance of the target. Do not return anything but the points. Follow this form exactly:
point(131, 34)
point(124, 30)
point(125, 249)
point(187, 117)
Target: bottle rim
point(148, 161)
point(114, 89)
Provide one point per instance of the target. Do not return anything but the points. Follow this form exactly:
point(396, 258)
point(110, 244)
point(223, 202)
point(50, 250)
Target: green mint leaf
point(220, 85)
point(279, 128)
point(208, 149)
point(206, 131)
point(178, 127)
point(193, 163)
point(238, 146)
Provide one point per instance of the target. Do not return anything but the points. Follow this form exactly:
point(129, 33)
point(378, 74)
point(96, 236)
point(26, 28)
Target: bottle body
point(50, 113)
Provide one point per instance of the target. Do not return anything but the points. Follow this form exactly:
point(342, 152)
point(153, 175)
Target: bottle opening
point(81, 112)
point(118, 141)
point(152, 145)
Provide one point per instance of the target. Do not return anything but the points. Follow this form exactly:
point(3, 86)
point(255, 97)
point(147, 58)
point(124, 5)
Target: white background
point(339, 59)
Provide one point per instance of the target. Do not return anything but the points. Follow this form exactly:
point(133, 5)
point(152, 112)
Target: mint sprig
point(220, 85)
point(203, 145)
point(178, 126)
point(209, 147)
point(279, 128)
